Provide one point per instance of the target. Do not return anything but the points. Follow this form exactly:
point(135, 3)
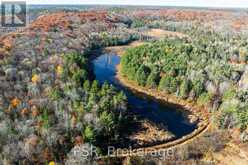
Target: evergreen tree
point(105, 89)
point(198, 88)
point(242, 115)
point(168, 84)
point(86, 85)
point(89, 134)
point(184, 89)
point(95, 87)
point(80, 76)
point(152, 80)
point(107, 120)
point(141, 75)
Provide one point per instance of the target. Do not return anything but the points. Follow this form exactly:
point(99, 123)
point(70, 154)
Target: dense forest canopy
point(198, 68)
point(50, 102)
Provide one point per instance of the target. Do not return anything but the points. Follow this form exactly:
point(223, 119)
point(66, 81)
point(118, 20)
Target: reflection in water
point(143, 106)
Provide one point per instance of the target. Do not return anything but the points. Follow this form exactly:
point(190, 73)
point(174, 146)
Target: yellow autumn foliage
point(35, 78)
point(52, 163)
point(242, 52)
point(59, 70)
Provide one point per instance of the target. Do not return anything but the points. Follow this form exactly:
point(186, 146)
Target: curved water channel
point(145, 107)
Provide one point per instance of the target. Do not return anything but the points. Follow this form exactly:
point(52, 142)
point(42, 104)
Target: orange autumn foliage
point(15, 102)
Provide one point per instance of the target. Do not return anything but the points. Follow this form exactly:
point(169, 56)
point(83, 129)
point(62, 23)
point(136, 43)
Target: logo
point(13, 13)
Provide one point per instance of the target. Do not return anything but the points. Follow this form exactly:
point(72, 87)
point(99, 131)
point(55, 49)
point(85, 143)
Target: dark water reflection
point(144, 106)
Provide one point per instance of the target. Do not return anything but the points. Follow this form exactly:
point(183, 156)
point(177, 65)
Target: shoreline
point(203, 124)
point(199, 112)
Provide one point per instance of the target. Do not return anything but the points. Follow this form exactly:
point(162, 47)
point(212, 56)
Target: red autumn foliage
point(184, 14)
point(63, 20)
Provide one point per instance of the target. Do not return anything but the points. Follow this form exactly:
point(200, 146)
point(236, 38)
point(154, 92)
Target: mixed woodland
point(50, 102)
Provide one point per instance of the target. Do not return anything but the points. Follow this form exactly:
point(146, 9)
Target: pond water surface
point(142, 105)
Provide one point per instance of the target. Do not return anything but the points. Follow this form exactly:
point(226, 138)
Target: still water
point(143, 106)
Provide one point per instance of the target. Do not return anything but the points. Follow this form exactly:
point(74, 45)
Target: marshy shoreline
point(195, 113)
